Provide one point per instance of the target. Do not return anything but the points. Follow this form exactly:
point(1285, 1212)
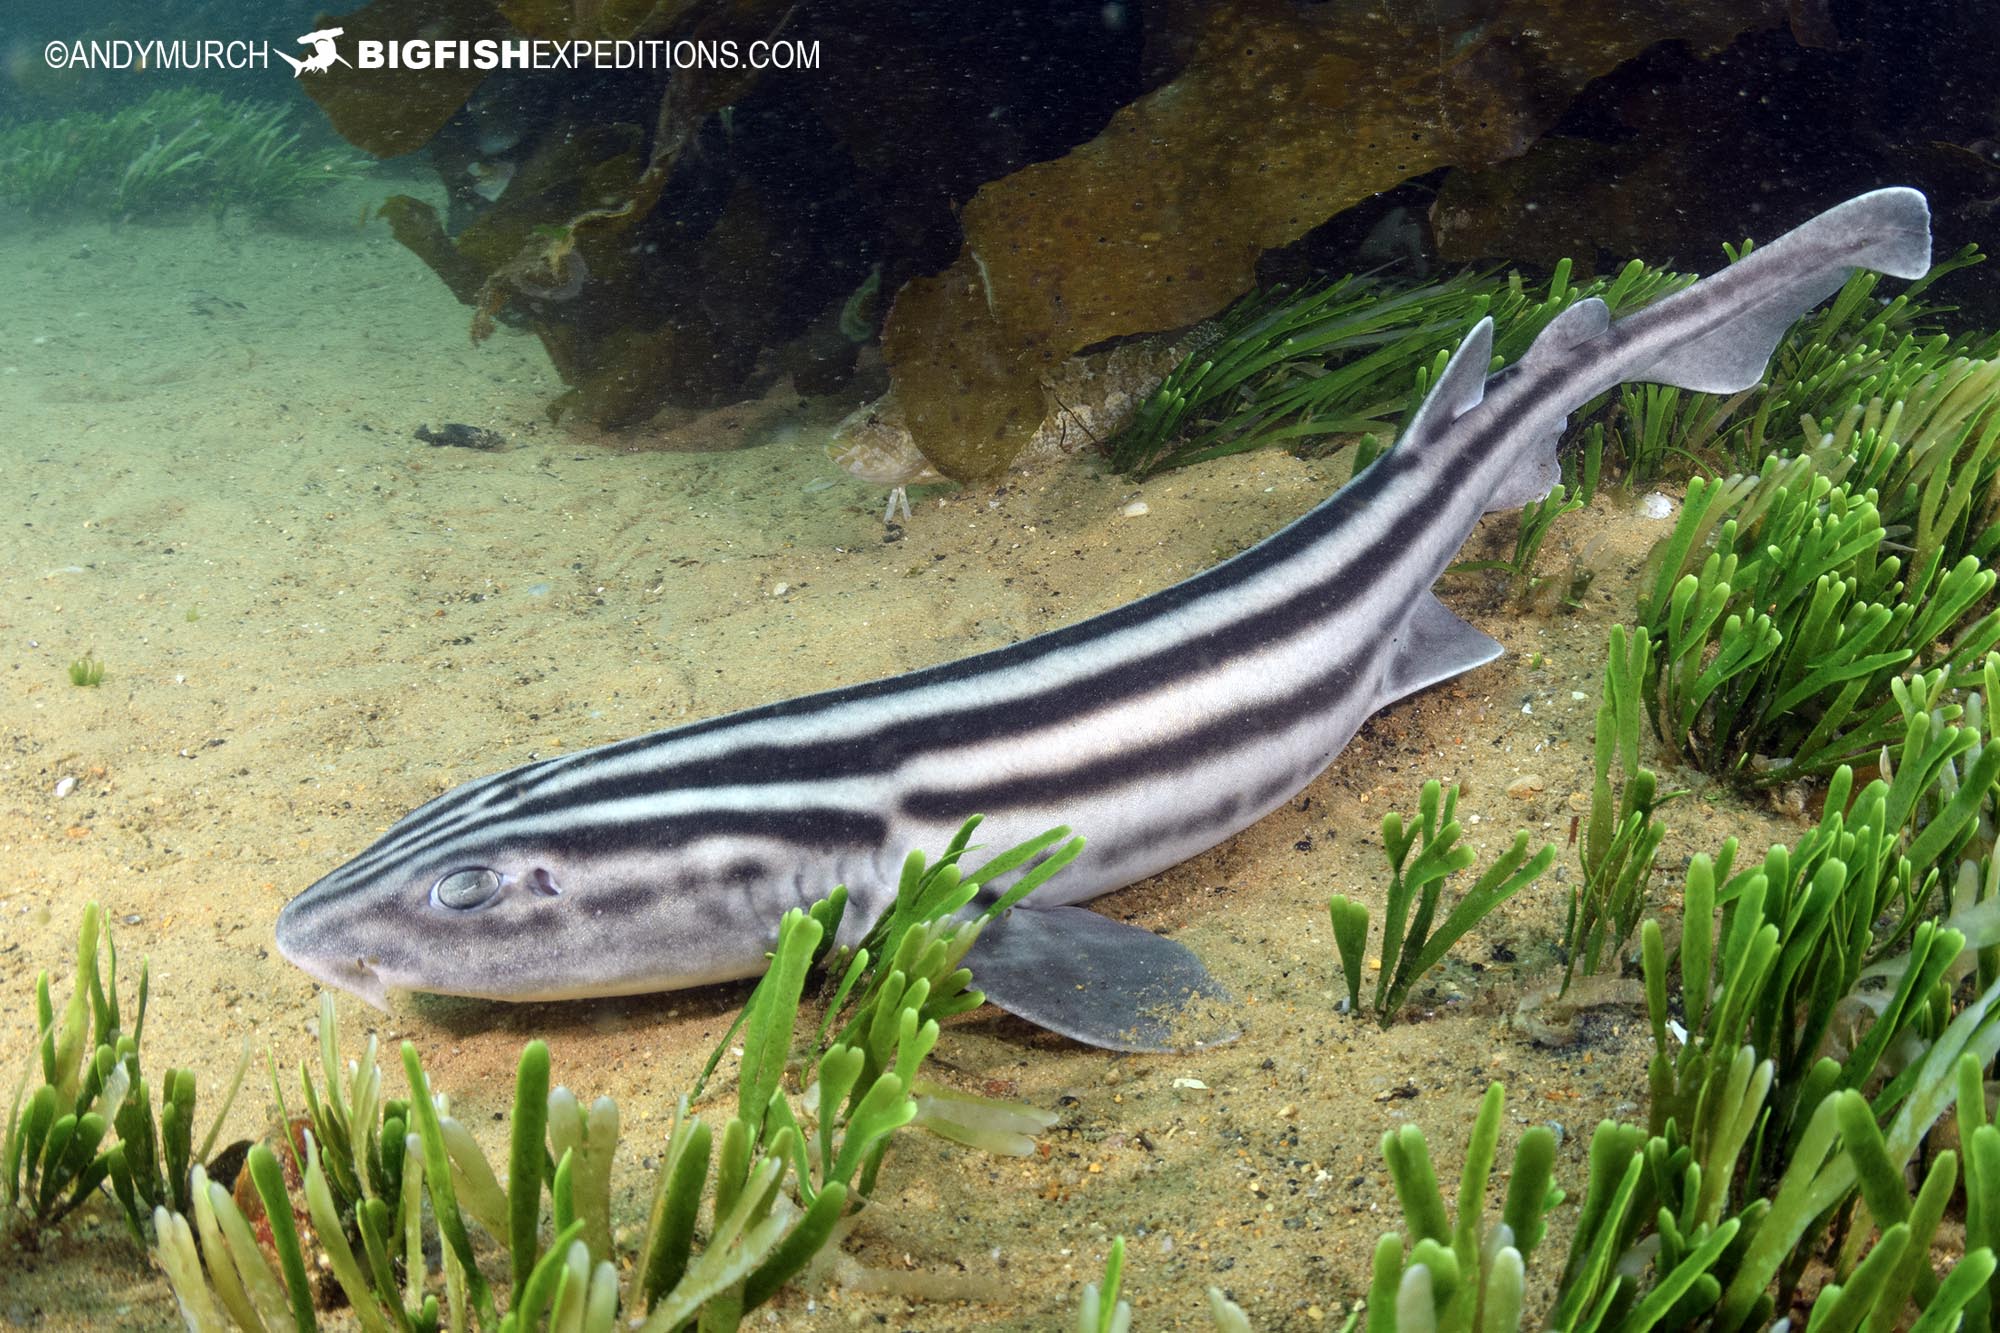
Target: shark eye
point(467, 888)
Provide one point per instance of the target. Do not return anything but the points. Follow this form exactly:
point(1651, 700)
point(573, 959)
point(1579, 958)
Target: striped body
point(1156, 730)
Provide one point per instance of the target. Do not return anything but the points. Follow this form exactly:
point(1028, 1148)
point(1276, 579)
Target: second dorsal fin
point(1579, 323)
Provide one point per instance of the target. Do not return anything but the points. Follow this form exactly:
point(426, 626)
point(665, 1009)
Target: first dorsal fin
point(1459, 388)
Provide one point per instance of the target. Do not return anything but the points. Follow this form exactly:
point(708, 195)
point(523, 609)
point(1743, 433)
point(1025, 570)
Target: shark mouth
point(357, 976)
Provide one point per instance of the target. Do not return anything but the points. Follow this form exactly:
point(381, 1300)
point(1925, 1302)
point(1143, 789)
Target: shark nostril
point(541, 881)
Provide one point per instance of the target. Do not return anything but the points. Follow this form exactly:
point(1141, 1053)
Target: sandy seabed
point(311, 623)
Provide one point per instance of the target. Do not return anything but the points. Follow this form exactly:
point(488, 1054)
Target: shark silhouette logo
point(323, 58)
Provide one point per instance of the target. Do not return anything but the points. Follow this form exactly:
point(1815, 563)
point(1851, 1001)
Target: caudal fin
point(1757, 299)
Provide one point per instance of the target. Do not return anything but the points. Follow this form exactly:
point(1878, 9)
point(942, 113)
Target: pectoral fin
point(1099, 982)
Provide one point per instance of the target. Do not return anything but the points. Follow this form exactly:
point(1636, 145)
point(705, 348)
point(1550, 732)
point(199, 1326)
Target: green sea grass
point(1784, 605)
point(1622, 836)
point(1410, 948)
point(1101, 1310)
point(777, 1180)
point(1296, 369)
point(178, 150)
point(90, 1121)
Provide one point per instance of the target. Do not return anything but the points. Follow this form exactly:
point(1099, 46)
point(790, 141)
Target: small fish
point(1157, 729)
point(872, 443)
point(490, 179)
point(458, 435)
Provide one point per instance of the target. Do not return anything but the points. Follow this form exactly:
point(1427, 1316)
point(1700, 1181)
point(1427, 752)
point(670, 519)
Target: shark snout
point(326, 961)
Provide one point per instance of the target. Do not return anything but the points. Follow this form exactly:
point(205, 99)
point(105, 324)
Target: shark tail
point(1886, 230)
point(1753, 302)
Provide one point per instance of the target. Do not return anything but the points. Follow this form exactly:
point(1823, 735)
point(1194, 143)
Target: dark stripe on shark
point(1184, 750)
point(1353, 501)
point(742, 876)
point(903, 739)
point(818, 828)
point(1220, 813)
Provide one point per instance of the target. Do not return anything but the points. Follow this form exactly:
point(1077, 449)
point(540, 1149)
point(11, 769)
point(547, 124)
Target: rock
point(1282, 116)
point(1083, 403)
point(389, 112)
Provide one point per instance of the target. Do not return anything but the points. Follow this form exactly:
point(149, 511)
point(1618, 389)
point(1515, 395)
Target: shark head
point(477, 894)
point(486, 921)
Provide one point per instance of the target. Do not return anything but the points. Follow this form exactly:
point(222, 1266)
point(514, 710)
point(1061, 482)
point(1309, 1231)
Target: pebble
point(780, 589)
point(65, 787)
point(1656, 505)
point(1137, 509)
point(1525, 786)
